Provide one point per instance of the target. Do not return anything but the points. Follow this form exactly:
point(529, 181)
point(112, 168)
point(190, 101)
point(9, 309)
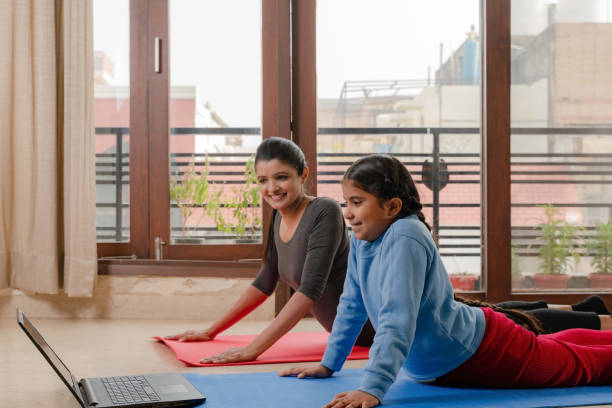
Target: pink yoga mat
point(291, 348)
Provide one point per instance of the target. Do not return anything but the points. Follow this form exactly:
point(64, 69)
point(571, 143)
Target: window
point(402, 78)
point(215, 121)
point(346, 78)
point(561, 139)
point(112, 119)
point(187, 107)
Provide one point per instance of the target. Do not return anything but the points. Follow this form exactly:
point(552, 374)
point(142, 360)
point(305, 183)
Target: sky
point(216, 45)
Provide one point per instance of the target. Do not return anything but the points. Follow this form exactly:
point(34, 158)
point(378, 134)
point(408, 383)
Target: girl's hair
point(519, 317)
point(286, 151)
point(386, 177)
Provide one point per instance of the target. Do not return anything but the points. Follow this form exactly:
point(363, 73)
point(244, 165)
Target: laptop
point(150, 390)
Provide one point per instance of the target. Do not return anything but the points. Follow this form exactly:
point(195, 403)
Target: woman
point(307, 248)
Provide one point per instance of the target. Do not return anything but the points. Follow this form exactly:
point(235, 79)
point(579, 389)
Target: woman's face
point(279, 184)
point(363, 211)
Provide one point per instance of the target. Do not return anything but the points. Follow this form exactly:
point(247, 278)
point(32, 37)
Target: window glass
point(215, 121)
point(402, 77)
point(561, 114)
point(112, 118)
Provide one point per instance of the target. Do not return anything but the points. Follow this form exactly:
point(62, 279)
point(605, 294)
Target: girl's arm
point(350, 318)
point(293, 311)
point(401, 283)
point(250, 299)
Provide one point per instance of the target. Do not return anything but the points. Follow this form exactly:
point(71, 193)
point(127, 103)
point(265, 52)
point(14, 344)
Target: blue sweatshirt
point(400, 283)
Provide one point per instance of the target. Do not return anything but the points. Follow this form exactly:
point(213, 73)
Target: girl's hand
point(318, 371)
point(232, 355)
point(191, 335)
point(353, 399)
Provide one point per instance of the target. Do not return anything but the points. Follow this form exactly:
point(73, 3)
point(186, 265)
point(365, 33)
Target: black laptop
point(150, 390)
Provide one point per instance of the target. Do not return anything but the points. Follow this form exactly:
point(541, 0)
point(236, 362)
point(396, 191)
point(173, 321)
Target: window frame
point(149, 132)
point(289, 110)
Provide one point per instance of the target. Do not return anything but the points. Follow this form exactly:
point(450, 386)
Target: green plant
point(559, 242)
point(245, 204)
point(461, 273)
point(192, 191)
point(601, 245)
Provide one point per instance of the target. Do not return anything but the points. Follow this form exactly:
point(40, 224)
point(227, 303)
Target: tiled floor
point(92, 348)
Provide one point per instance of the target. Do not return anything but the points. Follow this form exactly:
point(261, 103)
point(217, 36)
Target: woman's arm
point(294, 310)
point(289, 316)
point(250, 299)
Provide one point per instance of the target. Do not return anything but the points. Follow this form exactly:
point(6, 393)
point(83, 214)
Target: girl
point(307, 248)
point(396, 277)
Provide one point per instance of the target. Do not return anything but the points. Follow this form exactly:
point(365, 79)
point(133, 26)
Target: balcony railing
point(438, 169)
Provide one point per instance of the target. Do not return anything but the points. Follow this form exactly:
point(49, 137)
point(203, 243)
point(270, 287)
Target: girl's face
point(365, 214)
point(279, 183)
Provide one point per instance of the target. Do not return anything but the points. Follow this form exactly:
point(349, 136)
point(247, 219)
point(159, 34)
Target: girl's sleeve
point(349, 321)
point(324, 239)
point(404, 263)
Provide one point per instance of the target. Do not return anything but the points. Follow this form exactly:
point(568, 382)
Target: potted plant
point(463, 281)
point(600, 245)
point(558, 247)
point(192, 193)
point(245, 204)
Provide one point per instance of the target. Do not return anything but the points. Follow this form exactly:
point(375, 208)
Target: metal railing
point(447, 168)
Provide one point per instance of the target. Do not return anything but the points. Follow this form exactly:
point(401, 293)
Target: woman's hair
point(283, 150)
point(519, 317)
point(386, 177)
point(286, 151)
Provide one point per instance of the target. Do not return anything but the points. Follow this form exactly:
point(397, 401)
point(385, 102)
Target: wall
point(139, 297)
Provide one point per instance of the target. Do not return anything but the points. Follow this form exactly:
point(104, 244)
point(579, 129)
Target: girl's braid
point(519, 317)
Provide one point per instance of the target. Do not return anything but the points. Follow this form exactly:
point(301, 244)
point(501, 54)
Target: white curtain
point(47, 161)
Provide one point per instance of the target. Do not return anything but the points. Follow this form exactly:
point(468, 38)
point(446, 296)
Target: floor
point(92, 348)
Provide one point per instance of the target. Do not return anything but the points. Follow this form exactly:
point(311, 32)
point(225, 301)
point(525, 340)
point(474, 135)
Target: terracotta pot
point(547, 281)
point(517, 283)
point(463, 282)
point(187, 241)
point(600, 280)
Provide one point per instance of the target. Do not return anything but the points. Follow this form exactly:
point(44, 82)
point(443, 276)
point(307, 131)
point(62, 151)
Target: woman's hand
point(232, 355)
point(318, 371)
point(191, 335)
point(353, 399)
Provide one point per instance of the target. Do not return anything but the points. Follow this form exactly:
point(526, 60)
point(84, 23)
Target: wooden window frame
point(290, 110)
point(495, 157)
point(149, 161)
point(496, 197)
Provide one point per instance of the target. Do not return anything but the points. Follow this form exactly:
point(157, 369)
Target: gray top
point(313, 261)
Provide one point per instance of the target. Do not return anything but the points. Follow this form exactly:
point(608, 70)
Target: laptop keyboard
point(129, 389)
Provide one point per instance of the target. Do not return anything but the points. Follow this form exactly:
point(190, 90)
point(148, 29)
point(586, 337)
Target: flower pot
point(600, 280)
point(548, 281)
point(518, 282)
point(463, 282)
point(187, 241)
point(246, 241)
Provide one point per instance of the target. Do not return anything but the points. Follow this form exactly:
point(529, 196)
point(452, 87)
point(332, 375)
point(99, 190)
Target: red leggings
point(511, 356)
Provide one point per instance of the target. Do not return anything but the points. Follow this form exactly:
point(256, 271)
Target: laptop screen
point(48, 352)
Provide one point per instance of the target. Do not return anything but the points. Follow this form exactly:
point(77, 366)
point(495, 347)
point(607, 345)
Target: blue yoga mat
point(271, 391)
